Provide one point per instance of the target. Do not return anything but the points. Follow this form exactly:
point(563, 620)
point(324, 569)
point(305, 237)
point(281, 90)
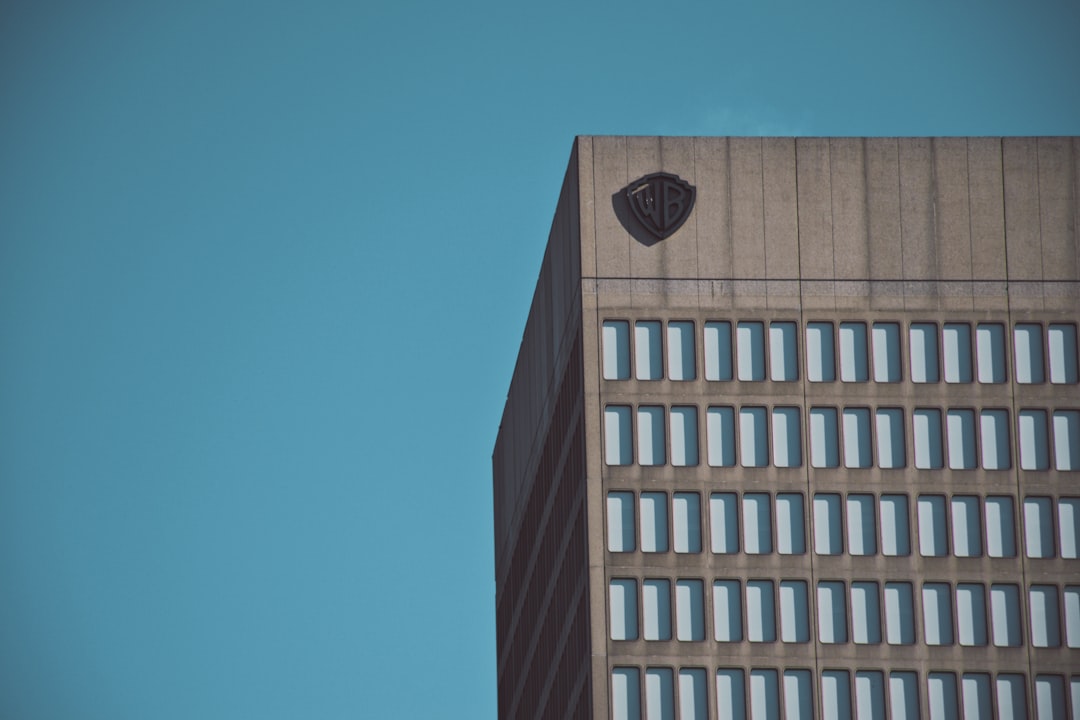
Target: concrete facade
point(931, 239)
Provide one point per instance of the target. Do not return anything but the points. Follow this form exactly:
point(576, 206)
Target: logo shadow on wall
point(653, 207)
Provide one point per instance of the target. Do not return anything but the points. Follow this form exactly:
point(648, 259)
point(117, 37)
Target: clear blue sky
point(264, 269)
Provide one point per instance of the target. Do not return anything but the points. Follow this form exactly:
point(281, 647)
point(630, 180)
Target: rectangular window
point(783, 352)
point(618, 446)
point(724, 521)
point(1072, 616)
point(927, 429)
point(1043, 604)
point(904, 696)
point(966, 529)
point(1011, 697)
point(1069, 526)
point(827, 524)
point(976, 694)
point(798, 695)
point(686, 512)
point(853, 365)
point(787, 437)
point(625, 693)
point(970, 614)
point(865, 614)
point(857, 438)
point(1049, 697)
point(718, 351)
point(820, 363)
point(727, 611)
point(824, 438)
point(689, 610)
point(757, 525)
point(990, 352)
point(790, 535)
point(886, 352)
point(750, 348)
point(862, 531)
point(616, 341)
point(753, 437)
point(937, 614)
point(995, 439)
point(932, 537)
point(1034, 453)
point(654, 525)
point(648, 350)
point(720, 428)
point(760, 614)
point(730, 694)
point(684, 435)
point(1005, 615)
point(656, 608)
point(890, 437)
point(764, 695)
point(659, 694)
point(1027, 346)
point(1067, 440)
point(832, 613)
point(941, 694)
point(1062, 353)
point(957, 352)
point(693, 694)
point(794, 612)
point(624, 616)
point(620, 517)
point(922, 340)
point(895, 536)
point(1000, 532)
point(680, 337)
point(869, 695)
point(961, 427)
point(899, 614)
point(1038, 527)
point(835, 694)
point(651, 446)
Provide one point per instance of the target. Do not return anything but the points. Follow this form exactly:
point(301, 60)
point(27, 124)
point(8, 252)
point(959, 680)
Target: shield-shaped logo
point(661, 202)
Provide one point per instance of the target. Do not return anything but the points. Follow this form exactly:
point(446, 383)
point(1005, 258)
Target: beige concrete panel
point(815, 208)
point(679, 253)
point(609, 176)
point(747, 210)
point(847, 160)
point(585, 216)
point(883, 209)
point(780, 202)
point(952, 208)
point(712, 210)
point(920, 251)
point(986, 194)
point(1057, 188)
point(642, 158)
point(1023, 245)
point(1076, 195)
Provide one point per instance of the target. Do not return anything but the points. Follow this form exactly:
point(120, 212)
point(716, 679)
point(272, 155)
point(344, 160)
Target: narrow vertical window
point(1062, 341)
point(835, 694)
point(970, 614)
point(730, 694)
point(1049, 697)
point(753, 437)
point(820, 363)
point(975, 690)
point(689, 610)
point(966, 529)
point(961, 427)
point(903, 696)
point(857, 438)
point(865, 613)
point(941, 696)
point(1069, 526)
point(757, 528)
point(656, 609)
point(624, 615)
point(681, 363)
point(890, 437)
point(693, 694)
point(659, 694)
point(625, 693)
point(720, 429)
point(684, 435)
point(1000, 528)
point(862, 530)
point(995, 439)
point(899, 614)
point(957, 352)
point(853, 365)
point(718, 351)
point(794, 612)
point(827, 524)
point(824, 438)
point(760, 614)
point(686, 513)
point(990, 352)
point(724, 522)
point(886, 352)
point(832, 612)
point(1072, 616)
point(654, 525)
point(764, 695)
point(798, 695)
point(618, 445)
point(1011, 697)
point(787, 437)
point(1005, 615)
point(895, 540)
point(1034, 453)
point(937, 614)
point(1067, 439)
point(922, 341)
point(727, 611)
point(1038, 527)
point(790, 534)
point(648, 350)
point(1043, 604)
point(651, 446)
point(927, 427)
point(620, 517)
point(783, 352)
point(750, 349)
point(1027, 347)
point(869, 695)
point(932, 538)
point(616, 341)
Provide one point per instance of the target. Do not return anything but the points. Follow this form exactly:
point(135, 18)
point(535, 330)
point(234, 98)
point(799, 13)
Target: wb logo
point(660, 202)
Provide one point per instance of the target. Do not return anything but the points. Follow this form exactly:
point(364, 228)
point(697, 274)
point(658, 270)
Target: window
point(1005, 615)
point(932, 536)
point(654, 530)
point(753, 436)
point(820, 364)
point(724, 520)
point(798, 695)
point(764, 695)
point(648, 350)
point(618, 446)
point(689, 610)
point(651, 450)
point(904, 696)
point(961, 426)
point(757, 526)
point(922, 340)
point(1062, 353)
point(957, 352)
point(927, 430)
point(990, 351)
point(1043, 603)
point(899, 614)
point(970, 614)
point(827, 524)
point(659, 694)
point(865, 613)
point(1011, 697)
point(869, 695)
point(857, 438)
point(966, 530)
point(624, 615)
point(1038, 527)
point(790, 535)
point(976, 695)
point(886, 352)
point(684, 436)
point(787, 444)
point(1049, 697)
point(727, 611)
point(1069, 526)
point(760, 615)
point(686, 511)
point(1027, 346)
point(794, 612)
point(824, 438)
point(1072, 616)
point(693, 694)
point(625, 693)
point(620, 517)
point(853, 365)
point(890, 437)
point(730, 694)
point(680, 336)
point(862, 531)
point(941, 694)
point(1000, 532)
point(1034, 453)
point(783, 352)
point(895, 539)
point(750, 346)
point(1067, 440)
point(832, 613)
point(835, 694)
point(720, 429)
point(995, 439)
point(718, 351)
point(937, 614)
point(656, 606)
point(616, 342)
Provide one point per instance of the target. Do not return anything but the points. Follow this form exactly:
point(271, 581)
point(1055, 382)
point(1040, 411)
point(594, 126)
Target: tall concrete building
point(794, 432)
